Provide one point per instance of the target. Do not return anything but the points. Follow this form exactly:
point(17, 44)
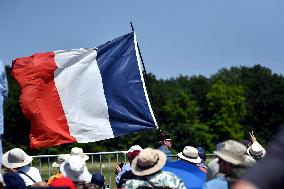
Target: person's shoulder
point(161, 147)
point(34, 169)
point(168, 179)
point(134, 183)
point(165, 149)
point(218, 182)
point(166, 175)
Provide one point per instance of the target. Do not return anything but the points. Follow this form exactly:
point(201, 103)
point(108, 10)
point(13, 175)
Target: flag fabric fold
point(84, 95)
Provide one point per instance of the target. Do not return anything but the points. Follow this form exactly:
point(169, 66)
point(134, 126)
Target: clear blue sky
point(188, 37)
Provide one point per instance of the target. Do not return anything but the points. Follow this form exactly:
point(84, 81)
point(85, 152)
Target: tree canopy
point(195, 110)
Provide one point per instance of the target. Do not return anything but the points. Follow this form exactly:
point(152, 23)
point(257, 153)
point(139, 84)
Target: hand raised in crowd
point(252, 137)
point(117, 169)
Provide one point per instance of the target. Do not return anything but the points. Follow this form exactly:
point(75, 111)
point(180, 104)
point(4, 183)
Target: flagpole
point(145, 74)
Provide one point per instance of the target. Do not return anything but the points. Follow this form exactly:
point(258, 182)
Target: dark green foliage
point(195, 110)
point(226, 107)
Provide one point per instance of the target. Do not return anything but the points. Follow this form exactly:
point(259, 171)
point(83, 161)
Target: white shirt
point(32, 172)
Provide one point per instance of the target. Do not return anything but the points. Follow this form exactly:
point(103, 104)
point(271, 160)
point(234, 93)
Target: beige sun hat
point(75, 168)
point(15, 158)
point(79, 152)
point(256, 150)
point(148, 161)
point(190, 154)
point(232, 152)
point(60, 159)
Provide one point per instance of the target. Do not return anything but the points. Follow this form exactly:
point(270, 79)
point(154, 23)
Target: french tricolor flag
point(84, 95)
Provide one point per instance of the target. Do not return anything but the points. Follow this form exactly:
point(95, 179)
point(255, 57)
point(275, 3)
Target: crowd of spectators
point(147, 168)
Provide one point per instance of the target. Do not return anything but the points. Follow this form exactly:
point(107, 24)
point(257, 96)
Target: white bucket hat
point(232, 152)
point(79, 152)
point(60, 159)
point(190, 154)
point(16, 158)
point(148, 161)
point(75, 168)
point(256, 150)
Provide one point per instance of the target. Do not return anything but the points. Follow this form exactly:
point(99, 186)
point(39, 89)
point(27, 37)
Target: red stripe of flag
point(40, 100)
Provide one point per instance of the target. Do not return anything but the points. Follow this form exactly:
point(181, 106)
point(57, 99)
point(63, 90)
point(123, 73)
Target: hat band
point(190, 157)
point(147, 166)
point(255, 155)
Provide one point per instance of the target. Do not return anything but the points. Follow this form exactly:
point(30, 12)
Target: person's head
point(60, 159)
point(98, 179)
point(149, 161)
point(256, 151)
point(16, 158)
point(165, 139)
point(201, 153)
point(224, 166)
point(132, 155)
point(79, 151)
point(63, 182)
point(168, 143)
point(75, 168)
point(230, 153)
point(189, 154)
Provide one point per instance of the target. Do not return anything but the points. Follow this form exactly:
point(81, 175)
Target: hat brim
point(85, 157)
point(197, 160)
point(62, 158)
point(7, 164)
point(228, 158)
point(263, 152)
point(158, 166)
point(55, 165)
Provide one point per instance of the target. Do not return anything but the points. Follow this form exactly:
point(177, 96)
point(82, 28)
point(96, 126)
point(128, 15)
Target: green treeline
point(195, 110)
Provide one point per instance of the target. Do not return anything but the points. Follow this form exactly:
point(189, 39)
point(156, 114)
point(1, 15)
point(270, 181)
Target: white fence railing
point(103, 162)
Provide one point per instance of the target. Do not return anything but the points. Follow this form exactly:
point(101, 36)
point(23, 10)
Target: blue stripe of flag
point(127, 105)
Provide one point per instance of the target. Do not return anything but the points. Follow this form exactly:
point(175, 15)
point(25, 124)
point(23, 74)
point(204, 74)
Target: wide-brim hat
point(190, 154)
point(15, 158)
point(75, 168)
point(256, 150)
point(60, 159)
point(79, 151)
point(232, 151)
point(148, 161)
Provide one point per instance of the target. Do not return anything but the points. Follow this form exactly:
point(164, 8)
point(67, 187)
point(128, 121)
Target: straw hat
point(149, 161)
point(60, 159)
point(75, 168)
point(79, 152)
point(256, 150)
point(232, 152)
point(190, 154)
point(15, 158)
